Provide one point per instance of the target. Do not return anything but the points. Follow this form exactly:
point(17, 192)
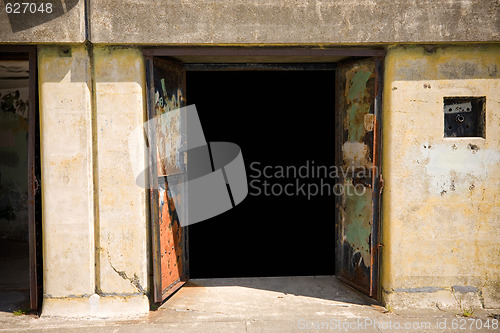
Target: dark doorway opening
point(14, 231)
point(20, 204)
point(284, 122)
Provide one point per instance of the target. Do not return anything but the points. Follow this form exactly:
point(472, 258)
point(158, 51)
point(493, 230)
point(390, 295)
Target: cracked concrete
point(134, 281)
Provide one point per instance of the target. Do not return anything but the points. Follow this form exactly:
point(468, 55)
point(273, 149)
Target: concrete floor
point(281, 304)
point(262, 304)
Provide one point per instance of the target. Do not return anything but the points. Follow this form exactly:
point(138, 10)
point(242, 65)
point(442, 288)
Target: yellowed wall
point(441, 212)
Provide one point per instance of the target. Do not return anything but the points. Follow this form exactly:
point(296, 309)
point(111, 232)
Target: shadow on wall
point(27, 15)
point(108, 65)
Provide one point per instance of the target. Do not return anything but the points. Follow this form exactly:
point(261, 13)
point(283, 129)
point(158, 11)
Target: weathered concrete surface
point(440, 204)
point(291, 22)
point(65, 24)
point(287, 304)
point(120, 104)
point(94, 216)
point(256, 22)
point(95, 306)
point(66, 163)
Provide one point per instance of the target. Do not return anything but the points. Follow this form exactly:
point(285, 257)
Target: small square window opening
point(464, 117)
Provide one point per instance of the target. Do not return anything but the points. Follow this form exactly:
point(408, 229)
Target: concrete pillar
point(120, 104)
point(94, 216)
point(66, 171)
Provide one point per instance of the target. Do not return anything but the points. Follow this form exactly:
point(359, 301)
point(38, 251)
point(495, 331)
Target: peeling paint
point(169, 86)
point(356, 100)
point(358, 228)
point(452, 168)
point(356, 154)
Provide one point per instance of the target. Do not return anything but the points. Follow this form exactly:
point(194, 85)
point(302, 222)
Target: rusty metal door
point(358, 101)
point(34, 190)
point(166, 92)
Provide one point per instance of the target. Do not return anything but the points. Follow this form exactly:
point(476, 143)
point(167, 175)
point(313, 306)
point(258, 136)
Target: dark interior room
point(280, 119)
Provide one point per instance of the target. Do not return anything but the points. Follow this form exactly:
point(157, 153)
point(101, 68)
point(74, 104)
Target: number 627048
point(28, 8)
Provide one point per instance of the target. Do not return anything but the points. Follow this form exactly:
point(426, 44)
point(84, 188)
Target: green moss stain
point(358, 83)
point(359, 104)
point(357, 226)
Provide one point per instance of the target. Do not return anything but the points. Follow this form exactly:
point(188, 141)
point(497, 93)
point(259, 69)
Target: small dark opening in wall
point(464, 117)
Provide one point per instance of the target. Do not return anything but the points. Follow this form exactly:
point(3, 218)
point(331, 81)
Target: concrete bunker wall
point(95, 220)
point(441, 211)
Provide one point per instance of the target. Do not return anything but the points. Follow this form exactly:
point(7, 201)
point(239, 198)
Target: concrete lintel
point(245, 22)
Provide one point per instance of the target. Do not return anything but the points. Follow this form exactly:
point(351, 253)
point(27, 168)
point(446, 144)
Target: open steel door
point(166, 86)
point(34, 190)
point(358, 102)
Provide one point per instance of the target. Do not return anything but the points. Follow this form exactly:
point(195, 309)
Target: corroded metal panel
point(166, 87)
point(357, 89)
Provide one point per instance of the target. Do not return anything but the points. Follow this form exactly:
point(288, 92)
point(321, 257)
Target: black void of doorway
point(279, 119)
point(20, 185)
